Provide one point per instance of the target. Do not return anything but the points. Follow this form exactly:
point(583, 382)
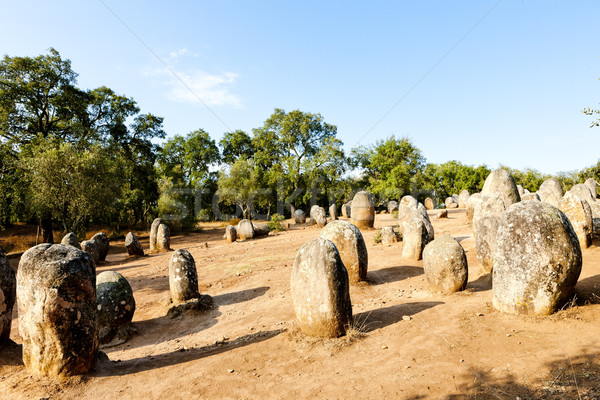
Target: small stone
point(406, 318)
point(231, 371)
point(384, 347)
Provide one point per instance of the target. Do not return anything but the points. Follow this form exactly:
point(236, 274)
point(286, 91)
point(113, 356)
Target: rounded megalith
point(183, 277)
point(115, 307)
point(245, 229)
point(388, 235)
point(502, 183)
point(363, 210)
point(347, 210)
point(70, 239)
point(91, 247)
point(463, 197)
point(56, 296)
point(163, 238)
point(320, 290)
point(450, 202)
point(473, 202)
point(445, 265)
point(392, 206)
point(429, 204)
point(485, 240)
point(551, 191)
point(230, 235)
point(537, 260)
point(261, 229)
point(415, 238)
point(153, 232)
point(8, 293)
point(300, 216)
point(593, 186)
point(580, 215)
point(352, 248)
point(318, 215)
point(133, 245)
point(103, 244)
point(333, 212)
point(582, 191)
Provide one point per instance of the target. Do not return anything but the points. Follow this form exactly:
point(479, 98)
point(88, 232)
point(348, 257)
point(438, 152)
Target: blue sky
point(482, 82)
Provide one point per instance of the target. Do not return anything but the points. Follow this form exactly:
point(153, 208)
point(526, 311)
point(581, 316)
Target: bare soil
point(452, 347)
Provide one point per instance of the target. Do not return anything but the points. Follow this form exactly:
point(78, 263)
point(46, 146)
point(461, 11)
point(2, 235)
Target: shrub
point(275, 222)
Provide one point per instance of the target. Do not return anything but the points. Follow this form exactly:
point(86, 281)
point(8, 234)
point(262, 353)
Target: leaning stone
point(593, 186)
point(320, 290)
point(537, 260)
point(245, 229)
point(70, 239)
point(300, 216)
point(153, 231)
point(445, 265)
point(91, 247)
point(163, 238)
point(450, 203)
point(103, 244)
point(443, 214)
point(8, 295)
point(388, 236)
point(115, 308)
point(363, 210)
point(473, 202)
point(502, 183)
point(415, 239)
point(530, 197)
point(485, 241)
point(230, 234)
point(463, 197)
point(392, 206)
point(317, 213)
point(580, 215)
point(183, 277)
point(429, 205)
point(333, 212)
point(352, 248)
point(551, 191)
point(56, 296)
point(133, 245)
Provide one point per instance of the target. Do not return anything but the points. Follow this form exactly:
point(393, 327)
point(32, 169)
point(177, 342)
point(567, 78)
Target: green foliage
point(452, 177)
point(236, 144)
point(377, 237)
point(240, 185)
point(275, 222)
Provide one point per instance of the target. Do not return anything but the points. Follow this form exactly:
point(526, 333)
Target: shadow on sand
point(382, 317)
point(393, 274)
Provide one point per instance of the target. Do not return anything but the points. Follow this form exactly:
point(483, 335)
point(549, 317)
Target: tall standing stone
point(580, 215)
point(502, 183)
point(245, 229)
point(429, 205)
point(537, 260)
point(582, 191)
point(320, 290)
point(91, 247)
point(473, 202)
point(133, 245)
point(153, 232)
point(317, 213)
point(70, 239)
point(485, 241)
point(56, 296)
point(490, 204)
point(445, 265)
point(463, 197)
point(415, 239)
point(333, 212)
point(352, 248)
point(551, 191)
point(593, 186)
point(103, 244)
point(163, 238)
point(8, 295)
point(363, 210)
point(115, 307)
point(183, 277)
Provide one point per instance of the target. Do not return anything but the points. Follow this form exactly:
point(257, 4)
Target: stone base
point(196, 305)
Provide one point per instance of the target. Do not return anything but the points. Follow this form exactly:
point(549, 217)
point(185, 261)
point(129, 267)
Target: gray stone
point(537, 260)
point(351, 246)
point(70, 239)
point(580, 215)
point(91, 247)
point(317, 213)
point(551, 191)
point(115, 307)
point(490, 204)
point(333, 212)
point(8, 293)
point(392, 206)
point(530, 197)
point(502, 183)
point(463, 197)
point(300, 216)
point(593, 186)
point(56, 297)
point(450, 202)
point(415, 239)
point(261, 229)
point(163, 238)
point(388, 236)
point(230, 234)
point(183, 277)
point(153, 232)
point(521, 191)
point(472, 204)
point(245, 229)
point(320, 290)
point(363, 210)
point(133, 245)
point(582, 191)
point(445, 265)
point(347, 210)
point(455, 198)
point(103, 244)
point(485, 241)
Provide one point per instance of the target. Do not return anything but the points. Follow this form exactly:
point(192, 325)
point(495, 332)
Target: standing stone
point(551, 191)
point(429, 205)
point(347, 209)
point(91, 247)
point(320, 290)
point(485, 240)
point(443, 214)
point(133, 245)
point(388, 236)
point(317, 213)
point(445, 265)
point(261, 229)
point(520, 190)
point(103, 244)
point(392, 206)
point(153, 231)
point(56, 296)
point(490, 204)
point(580, 215)
point(70, 239)
point(230, 234)
point(333, 212)
point(530, 197)
point(163, 238)
point(582, 191)
point(245, 229)
point(183, 277)
point(472, 204)
point(115, 307)
point(463, 197)
point(363, 210)
point(455, 198)
point(351, 246)
point(502, 183)
point(537, 260)
point(593, 186)
point(300, 216)
point(450, 202)
point(8, 295)
point(415, 238)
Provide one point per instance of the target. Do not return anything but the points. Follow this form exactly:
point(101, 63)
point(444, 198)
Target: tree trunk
point(292, 209)
point(46, 225)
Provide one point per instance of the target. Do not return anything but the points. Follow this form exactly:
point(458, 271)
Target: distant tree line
point(78, 158)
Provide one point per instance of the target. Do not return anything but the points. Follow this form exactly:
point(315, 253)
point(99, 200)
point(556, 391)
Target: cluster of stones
point(97, 246)
point(160, 237)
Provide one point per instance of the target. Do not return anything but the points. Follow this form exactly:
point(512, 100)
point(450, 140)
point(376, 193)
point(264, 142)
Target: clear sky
point(482, 82)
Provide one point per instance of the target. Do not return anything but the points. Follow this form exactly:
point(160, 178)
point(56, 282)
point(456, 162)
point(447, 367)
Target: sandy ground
point(453, 347)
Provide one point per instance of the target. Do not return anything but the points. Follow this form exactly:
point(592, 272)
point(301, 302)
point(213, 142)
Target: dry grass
point(355, 332)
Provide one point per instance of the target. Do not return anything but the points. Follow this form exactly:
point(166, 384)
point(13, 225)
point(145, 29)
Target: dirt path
point(453, 347)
